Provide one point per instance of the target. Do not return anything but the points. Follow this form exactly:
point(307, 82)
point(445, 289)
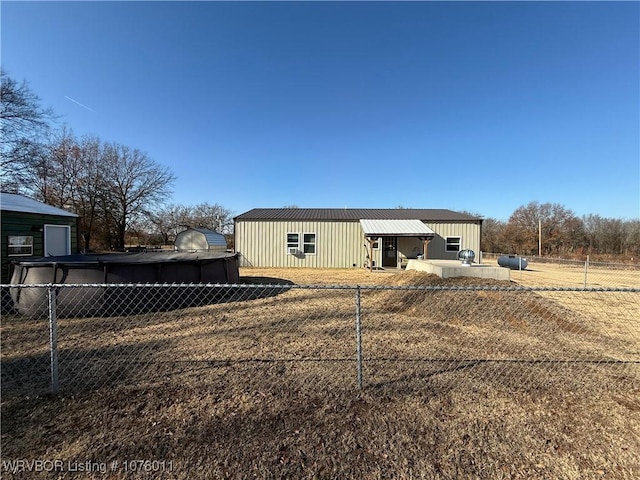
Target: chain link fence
point(543, 271)
point(74, 338)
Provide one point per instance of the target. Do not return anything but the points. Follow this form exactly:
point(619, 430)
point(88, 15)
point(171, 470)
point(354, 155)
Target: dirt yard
point(266, 388)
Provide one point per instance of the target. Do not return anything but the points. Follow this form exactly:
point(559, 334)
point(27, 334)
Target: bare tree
point(632, 237)
point(110, 186)
point(213, 217)
point(70, 176)
point(88, 184)
point(170, 220)
point(593, 226)
point(24, 127)
point(492, 235)
point(52, 177)
point(132, 182)
point(612, 236)
point(561, 229)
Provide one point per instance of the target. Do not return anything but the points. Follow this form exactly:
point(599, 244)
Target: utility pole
point(539, 237)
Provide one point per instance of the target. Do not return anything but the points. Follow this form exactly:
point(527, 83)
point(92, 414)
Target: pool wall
point(136, 268)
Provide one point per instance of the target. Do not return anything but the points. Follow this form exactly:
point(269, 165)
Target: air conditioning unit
point(292, 251)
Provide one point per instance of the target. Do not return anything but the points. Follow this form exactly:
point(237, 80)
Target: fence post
point(520, 266)
point(358, 338)
point(586, 269)
point(53, 338)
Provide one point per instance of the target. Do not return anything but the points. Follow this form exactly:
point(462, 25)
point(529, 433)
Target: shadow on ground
point(126, 300)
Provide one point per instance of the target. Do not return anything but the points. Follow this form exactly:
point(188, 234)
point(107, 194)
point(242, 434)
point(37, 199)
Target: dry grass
point(320, 276)
point(615, 308)
point(558, 275)
point(216, 428)
point(268, 390)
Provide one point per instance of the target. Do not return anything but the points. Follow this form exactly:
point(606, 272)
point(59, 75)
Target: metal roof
point(356, 214)
point(12, 202)
point(403, 228)
point(213, 238)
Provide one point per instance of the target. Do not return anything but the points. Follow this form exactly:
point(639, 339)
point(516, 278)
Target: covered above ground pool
point(132, 268)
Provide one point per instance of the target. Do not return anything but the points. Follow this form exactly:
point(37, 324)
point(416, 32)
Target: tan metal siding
point(410, 247)
point(469, 232)
point(264, 244)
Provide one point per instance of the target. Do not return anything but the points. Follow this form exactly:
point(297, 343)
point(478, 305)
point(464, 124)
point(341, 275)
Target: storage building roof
point(13, 202)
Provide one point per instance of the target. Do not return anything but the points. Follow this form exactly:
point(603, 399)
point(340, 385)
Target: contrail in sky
point(78, 103)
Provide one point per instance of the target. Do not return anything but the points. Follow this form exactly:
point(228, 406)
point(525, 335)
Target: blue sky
point(482, 106)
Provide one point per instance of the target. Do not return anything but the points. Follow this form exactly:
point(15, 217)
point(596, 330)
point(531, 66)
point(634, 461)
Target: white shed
point(200, 240)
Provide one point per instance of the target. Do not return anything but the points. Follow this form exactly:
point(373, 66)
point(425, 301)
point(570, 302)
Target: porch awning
point(396, 228)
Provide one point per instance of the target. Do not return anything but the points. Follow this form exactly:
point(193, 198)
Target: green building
point(34, 229)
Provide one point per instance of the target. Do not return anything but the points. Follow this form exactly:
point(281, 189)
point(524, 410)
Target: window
point(373, 243)
point(309, 244)
point(20, 245)
point(293, 242)
point(452, 244)
point(297, 243)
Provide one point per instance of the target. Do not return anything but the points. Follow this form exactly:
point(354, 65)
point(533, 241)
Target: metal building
point(344, 238)
point(34, 229)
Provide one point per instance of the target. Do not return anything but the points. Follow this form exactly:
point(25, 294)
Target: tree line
point(120, 193)
point(557, 231)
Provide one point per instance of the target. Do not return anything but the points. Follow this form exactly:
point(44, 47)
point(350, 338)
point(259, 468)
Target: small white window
point(309, 243)
point(20, 245)
point(293, 243)
point(452, 244)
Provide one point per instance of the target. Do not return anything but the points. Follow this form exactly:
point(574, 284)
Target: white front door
point(57, 240)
